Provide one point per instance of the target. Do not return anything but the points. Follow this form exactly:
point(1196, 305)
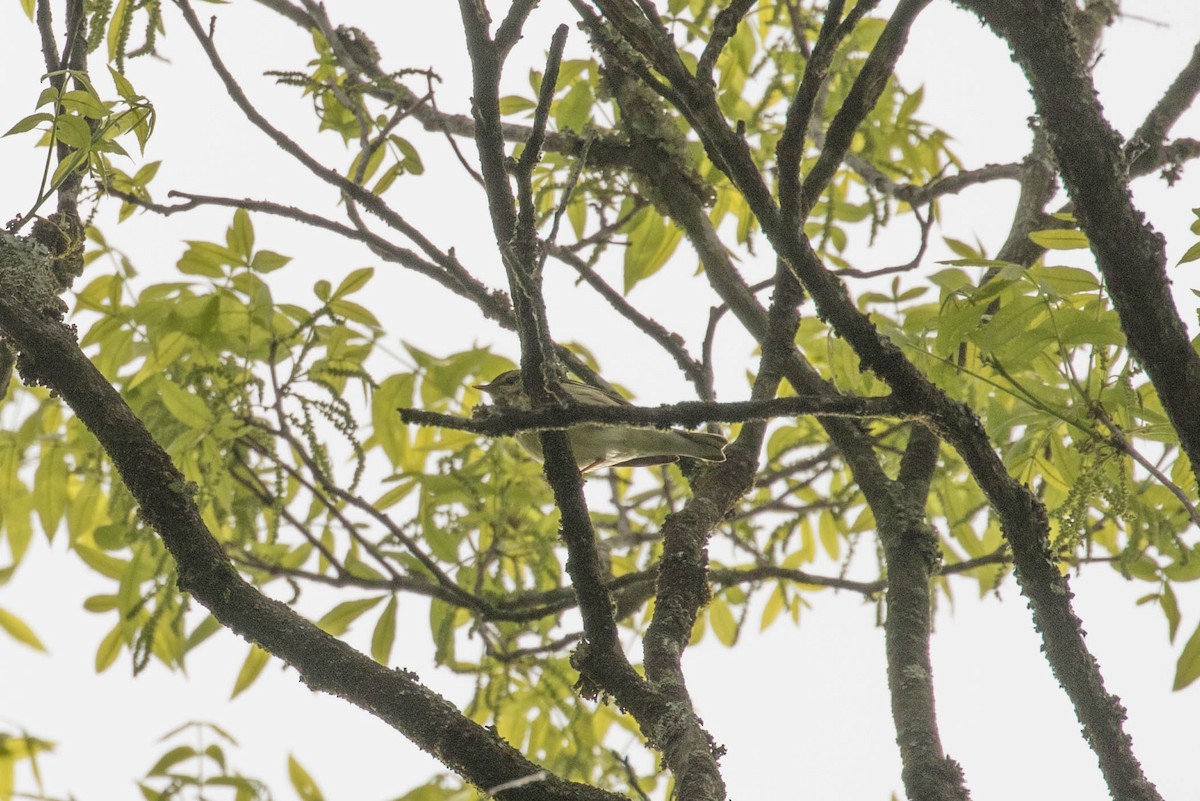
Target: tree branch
point(688, 413)
point(1178, 98)
point(51, 357)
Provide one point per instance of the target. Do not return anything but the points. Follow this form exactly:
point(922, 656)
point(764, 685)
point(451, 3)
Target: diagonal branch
point(1129, 253)
point(600, 658)
point(1179, 97)
point(51, 357)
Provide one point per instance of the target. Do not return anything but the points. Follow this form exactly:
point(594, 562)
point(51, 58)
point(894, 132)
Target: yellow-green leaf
point(306, 788)
point(240, 236)
point(84, 103)
point(828, 532)
point(102, 563)
point(115, 25)
point(1187, 669)
point(29, 123)
point(1060, 239)
point(110, 646)
point(1170, 606)
point(338, 619)
point(19, 631)
point(171, 758)
point(50, 487)
point(186, 407)
point(511, 104)
point(774, 606)
point(652, 241)
point(385, 633)
point(353, 282)
point(266, 261)
point(1191, 254)
point(256, 660)
point(722, 621)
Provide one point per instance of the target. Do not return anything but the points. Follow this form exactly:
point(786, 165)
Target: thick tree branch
point(901, 522)
point(1131, 258)
point(51, 357)
point(1089, 155)
point(1022, 516)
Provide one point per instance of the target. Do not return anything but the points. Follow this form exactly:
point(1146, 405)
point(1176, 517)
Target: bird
point(596, 445)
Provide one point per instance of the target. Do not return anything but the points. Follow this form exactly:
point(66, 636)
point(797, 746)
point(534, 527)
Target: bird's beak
point(487, 388)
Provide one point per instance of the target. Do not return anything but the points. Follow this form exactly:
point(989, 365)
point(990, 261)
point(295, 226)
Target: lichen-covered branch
point(30, 318)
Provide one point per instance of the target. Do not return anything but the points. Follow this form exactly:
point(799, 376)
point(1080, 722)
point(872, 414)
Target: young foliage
point(702, 152)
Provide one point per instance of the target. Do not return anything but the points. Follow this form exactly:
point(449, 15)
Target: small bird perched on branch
point(596, 445)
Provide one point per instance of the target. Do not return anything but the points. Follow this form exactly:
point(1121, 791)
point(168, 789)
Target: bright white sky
point(805, 702)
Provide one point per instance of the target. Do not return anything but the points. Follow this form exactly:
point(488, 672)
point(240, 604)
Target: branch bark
point(30, 317)
point(1130, 254)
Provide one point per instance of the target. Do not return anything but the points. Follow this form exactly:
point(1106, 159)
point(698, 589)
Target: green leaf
point(268, 261)
point(183, 405)
point(29, 123)
point(306, 788)
point(115, 25)
point(1065, 280)
point(652, 241)
point(412, 159)
point(962, 249)
point(85, 104)
point(256, 660)
point(124, 87)
point(73, 131)
point(338, 619)
point(512, 104)
point(171, 758)
point(109, 648)
point(100, 603)
point(353, 282)
point(385, 633)
point(1186, 569)
point(1187, 669)
point(722, 621)
point(240, 236)
point(47, 97)
point(775, 604)
point(205, 629)
point(19, 631)
point(577, 212)
point(354, 312)
point(1191, 254)
point(102, 563)
point(206, 259)
point(574, 110)
point(973, 262)
point(1170, 607)
point(18, 523)
point(1060, 239)
point(111, 537)
point(827, 531)
point(75, 160)
point(146, 173)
